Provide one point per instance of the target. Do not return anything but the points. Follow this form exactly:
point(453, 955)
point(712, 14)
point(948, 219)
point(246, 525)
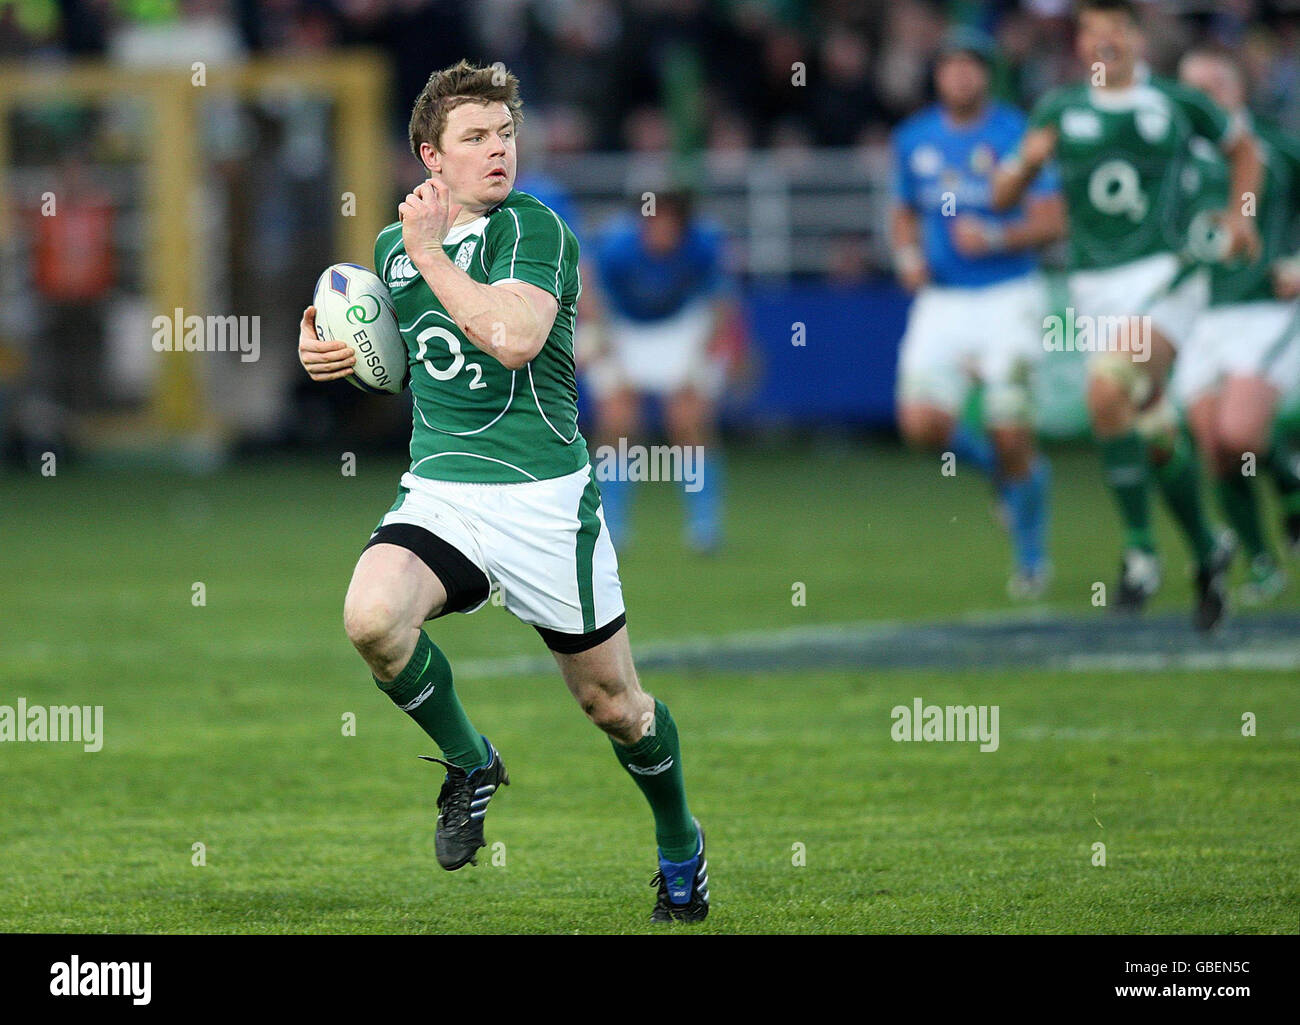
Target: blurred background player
point(980, 300)
point(665, 305)
point(1121, 139)
point(1244, 353)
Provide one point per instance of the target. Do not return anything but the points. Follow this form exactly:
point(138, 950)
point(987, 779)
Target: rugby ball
point(353, 306)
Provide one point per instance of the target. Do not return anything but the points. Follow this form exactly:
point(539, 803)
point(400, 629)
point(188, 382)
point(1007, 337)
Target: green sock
point(659, 754)
point(1179, 481)
point(1124, 460)
point(1240, 506)
point(423, 691)
point(1283, 464)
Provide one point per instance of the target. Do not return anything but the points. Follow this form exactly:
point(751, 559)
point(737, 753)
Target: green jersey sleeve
point(1047, 111)
point(530, 243)
point(1208, 119)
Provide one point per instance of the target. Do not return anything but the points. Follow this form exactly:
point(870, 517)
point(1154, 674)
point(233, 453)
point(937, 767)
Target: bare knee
point(617, 709)
point(374, 628)
point(925, 427)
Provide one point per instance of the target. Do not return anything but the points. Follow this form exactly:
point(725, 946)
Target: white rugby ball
point(354, 307)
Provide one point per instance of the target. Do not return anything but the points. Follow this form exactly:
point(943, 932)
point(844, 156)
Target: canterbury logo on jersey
point(654, 770)
point(400, 271)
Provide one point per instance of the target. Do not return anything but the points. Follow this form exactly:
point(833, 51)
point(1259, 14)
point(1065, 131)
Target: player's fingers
point(332, 360)
point(317, 375)
point(330, 347)
point(329, 366)
point(309, 319)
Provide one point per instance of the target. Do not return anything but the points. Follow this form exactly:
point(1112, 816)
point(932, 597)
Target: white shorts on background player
point(1258, 339)
point(993, 332)
point(1141, 288)
point(525, 539)
point(660, 357)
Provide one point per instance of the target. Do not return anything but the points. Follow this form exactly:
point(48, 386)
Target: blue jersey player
point(980, 301)
point(665, 302)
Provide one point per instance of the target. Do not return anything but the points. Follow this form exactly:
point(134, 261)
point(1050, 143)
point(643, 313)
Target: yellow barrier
point(357, 83)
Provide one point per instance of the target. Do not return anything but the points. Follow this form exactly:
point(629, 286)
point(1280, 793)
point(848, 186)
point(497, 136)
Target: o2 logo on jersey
point(1115, 188)
point(1207, 242)
point(457, 357)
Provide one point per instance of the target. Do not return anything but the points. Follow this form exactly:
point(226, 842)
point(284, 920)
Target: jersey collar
point(1122, 99)
point(474, 227)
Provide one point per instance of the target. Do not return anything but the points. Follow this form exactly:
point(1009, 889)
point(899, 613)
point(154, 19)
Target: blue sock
point(1027, 503)
point(704, 506)
point(973, 448)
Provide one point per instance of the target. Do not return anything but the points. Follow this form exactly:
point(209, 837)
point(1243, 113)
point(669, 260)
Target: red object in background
point(74, 249)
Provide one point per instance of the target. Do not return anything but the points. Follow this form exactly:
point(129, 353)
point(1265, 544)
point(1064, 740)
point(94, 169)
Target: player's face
point(477, 159)
point(1214, 79)
point(1111, 38)
point(663, 232)
point(962, 82)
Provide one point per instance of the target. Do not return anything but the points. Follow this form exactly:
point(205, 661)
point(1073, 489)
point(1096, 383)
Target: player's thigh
point(618, 411)
point(603, 680)
point(688, 415)
point(391, 589)
point(1247, 406)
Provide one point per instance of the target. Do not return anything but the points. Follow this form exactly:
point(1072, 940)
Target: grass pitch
point(223, 726)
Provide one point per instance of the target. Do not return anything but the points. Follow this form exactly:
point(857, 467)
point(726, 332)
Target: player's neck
point(1119, 82)
point(966, 116)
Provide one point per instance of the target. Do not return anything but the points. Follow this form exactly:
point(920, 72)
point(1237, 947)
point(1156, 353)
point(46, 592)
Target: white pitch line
point(838, 637)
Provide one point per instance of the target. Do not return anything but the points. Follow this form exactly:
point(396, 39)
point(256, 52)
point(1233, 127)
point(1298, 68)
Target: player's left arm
point(509, 321)
point(1246, 166)
point(1247, 177)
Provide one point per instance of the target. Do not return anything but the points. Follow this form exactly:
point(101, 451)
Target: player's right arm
point(323, 360)
point(909, 257)
point(905, 223)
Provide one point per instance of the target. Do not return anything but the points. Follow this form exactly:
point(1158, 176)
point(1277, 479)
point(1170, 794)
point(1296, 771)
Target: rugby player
point(500, 492)
point(1244, 353)
point(1121, 139)
point(980, 300)
point(665, 298)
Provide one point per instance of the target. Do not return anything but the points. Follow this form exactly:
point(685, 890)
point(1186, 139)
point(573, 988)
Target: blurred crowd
point(647, 74)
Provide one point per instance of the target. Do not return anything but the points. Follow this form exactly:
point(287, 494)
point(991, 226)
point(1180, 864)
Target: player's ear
point(431, 158)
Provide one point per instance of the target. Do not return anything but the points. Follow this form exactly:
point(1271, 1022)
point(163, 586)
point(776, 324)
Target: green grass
point(223, 727)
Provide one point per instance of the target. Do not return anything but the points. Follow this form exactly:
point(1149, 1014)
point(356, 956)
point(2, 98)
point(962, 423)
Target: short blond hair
point(449, 88)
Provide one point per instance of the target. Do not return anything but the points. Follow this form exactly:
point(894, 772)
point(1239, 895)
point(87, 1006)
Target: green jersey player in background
point(1243, 358)
point(1120, 140)
point(500, 493)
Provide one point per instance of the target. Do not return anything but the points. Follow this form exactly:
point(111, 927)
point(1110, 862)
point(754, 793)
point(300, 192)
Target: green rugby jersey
point(1121, 153)
point(1206, 182)
point(474, 420)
